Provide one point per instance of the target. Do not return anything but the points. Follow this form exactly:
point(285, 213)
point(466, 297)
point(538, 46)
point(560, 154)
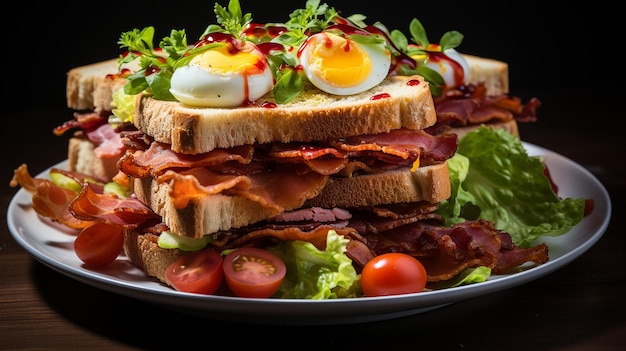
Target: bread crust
point(313, 115)
point(213, 213)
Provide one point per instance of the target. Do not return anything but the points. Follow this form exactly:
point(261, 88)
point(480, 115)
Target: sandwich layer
point(213, 213)
point(398, 102)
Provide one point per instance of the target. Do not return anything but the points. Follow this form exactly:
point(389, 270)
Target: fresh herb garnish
point(421, 47)
point(157, 65)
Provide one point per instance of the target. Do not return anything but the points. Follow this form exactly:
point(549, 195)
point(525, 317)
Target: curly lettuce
point(494, 178)
point(317, 274)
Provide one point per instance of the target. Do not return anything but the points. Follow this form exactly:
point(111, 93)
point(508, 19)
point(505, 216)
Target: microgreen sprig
point(314, 18)
point(449, 40)
point(231, 19)
point(156, 68)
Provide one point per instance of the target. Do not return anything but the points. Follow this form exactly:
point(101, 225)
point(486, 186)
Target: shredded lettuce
point(501, 183)
point(123, 105)
point(317, 274)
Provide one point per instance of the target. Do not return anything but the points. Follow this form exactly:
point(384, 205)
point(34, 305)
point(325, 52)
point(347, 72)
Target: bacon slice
point(284, 188)
point(108, 142)
point(94, 206)
point(159, 158)
point(470, 105)
point(49, 200)
point(86, 121)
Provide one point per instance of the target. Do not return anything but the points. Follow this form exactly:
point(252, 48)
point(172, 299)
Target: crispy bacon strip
point(404, 143)
point(94, 206)
point(49, 200)
point(282, 188)
point(470, 105)
point(159, 158)
point(85, 121)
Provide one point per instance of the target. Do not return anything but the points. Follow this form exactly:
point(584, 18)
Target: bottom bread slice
point(144, 252)
point(213, 213)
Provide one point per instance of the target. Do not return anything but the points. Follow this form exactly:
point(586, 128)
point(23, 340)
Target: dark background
point(546, 46)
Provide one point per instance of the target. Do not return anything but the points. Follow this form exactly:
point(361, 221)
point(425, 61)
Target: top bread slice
point(399, 101)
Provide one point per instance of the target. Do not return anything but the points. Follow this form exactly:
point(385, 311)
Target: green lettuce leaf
point(503, 184)
point(467, 276)
point(317, 274)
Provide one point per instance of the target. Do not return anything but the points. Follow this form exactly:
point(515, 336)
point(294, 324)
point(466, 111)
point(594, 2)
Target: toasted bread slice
point(398, 102)
point(144, 252)
point(213, 213)
point(493, 73)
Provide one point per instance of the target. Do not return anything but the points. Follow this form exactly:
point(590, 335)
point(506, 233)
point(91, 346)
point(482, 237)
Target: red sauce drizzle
point(269, 104)
point(266, 48)
point(413, 82)
point(260, 31)
point(151, 70)
point(380, 96)
point(218, 37)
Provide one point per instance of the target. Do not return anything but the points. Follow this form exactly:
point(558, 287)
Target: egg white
point(315, 49)
point(198, 84)
point(446, 69)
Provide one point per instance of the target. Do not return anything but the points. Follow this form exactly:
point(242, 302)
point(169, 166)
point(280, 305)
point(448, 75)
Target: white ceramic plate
point(52, 245)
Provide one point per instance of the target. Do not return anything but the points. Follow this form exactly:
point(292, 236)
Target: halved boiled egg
point(341, 66)
point(453, 68)
point(224, 76)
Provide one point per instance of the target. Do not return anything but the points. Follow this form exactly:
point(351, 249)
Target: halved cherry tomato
point(253, 272)
point(99, 244)
point(198, 272)
point(393, 274)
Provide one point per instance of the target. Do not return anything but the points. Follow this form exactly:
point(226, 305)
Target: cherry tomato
point(253, 272)
point(198, 272)
point(99, 244)
point(393, 274)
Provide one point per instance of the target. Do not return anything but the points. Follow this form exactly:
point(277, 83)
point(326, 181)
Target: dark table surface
point(581, 306)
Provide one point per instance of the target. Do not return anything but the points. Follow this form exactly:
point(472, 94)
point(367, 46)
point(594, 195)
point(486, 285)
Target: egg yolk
point(339, 61)
point(221, 60)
